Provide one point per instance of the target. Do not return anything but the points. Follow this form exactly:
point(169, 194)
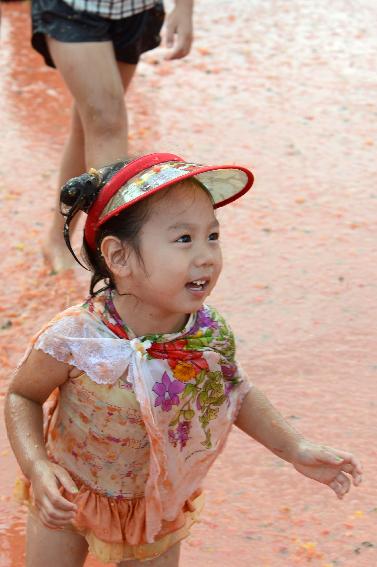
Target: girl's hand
point(329, 466)
point(179, 30)
point(54, 510)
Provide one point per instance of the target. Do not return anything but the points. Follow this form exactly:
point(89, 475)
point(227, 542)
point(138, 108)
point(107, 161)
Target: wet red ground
point(287, 88)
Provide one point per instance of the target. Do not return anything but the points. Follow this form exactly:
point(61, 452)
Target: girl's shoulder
point(75, 319)
point(79, 337)
point(83, 318)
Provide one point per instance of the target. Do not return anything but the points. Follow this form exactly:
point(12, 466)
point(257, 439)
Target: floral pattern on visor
point(223, 184)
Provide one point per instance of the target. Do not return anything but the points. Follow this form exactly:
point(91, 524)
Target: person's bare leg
point(57, 548)
point(168, 559)
point(93, 77)
point(97, 83)
point(73, 164)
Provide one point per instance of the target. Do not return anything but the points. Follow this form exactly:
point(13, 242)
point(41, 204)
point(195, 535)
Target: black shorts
point(131, 36)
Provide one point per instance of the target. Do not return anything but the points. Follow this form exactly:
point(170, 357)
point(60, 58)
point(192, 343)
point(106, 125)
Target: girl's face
point(180, 251)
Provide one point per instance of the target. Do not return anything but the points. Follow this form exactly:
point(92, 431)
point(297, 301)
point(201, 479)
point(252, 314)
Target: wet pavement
point(287, 88)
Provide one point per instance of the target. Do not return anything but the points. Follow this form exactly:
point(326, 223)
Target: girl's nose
point(206, 257)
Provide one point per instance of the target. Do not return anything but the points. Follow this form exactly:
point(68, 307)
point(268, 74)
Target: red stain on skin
point(289, 95)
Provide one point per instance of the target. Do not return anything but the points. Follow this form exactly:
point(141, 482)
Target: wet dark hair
point(79, 194)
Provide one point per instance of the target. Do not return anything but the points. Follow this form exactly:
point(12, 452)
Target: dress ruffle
point(115, 528)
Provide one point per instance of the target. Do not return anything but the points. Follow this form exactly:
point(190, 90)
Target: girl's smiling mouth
point(199, 285)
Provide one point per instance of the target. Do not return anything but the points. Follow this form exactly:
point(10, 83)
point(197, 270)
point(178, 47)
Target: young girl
point(145, 383)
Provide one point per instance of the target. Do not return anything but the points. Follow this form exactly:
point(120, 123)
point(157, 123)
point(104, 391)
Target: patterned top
point(149, 415)
point(112, 9)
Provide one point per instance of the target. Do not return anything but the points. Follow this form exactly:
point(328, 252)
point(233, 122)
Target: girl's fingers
point(348, 468)
point(338, 488)
point(54, 521)
point(340, 485)
point(56, 515)
point(346, 462)
point(50, 522)
point(356, 479)
point(50, 501)
point(65, 479)
point(335, 486)
point(350, 460)
point(353, 467)
point(354, 472)
point(58, 502)
point(330, 459)
point(345, 483)
point(329, 456)
point(53, 498)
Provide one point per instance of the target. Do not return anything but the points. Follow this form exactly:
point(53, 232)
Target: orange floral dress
point(140, 427)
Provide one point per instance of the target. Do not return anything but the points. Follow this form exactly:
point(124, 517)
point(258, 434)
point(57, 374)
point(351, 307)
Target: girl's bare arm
point(30, 387)
point(260, 420)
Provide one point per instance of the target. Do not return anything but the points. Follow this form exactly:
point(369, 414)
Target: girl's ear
point(116, 255)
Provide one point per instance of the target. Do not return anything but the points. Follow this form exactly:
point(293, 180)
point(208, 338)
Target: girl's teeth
point(199, 282)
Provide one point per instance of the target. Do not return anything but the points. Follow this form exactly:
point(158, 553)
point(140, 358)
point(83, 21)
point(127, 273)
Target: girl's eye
point(185, 238)
point(214, 236)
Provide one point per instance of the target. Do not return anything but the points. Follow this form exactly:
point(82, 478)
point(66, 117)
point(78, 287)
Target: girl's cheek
point(220, 259)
